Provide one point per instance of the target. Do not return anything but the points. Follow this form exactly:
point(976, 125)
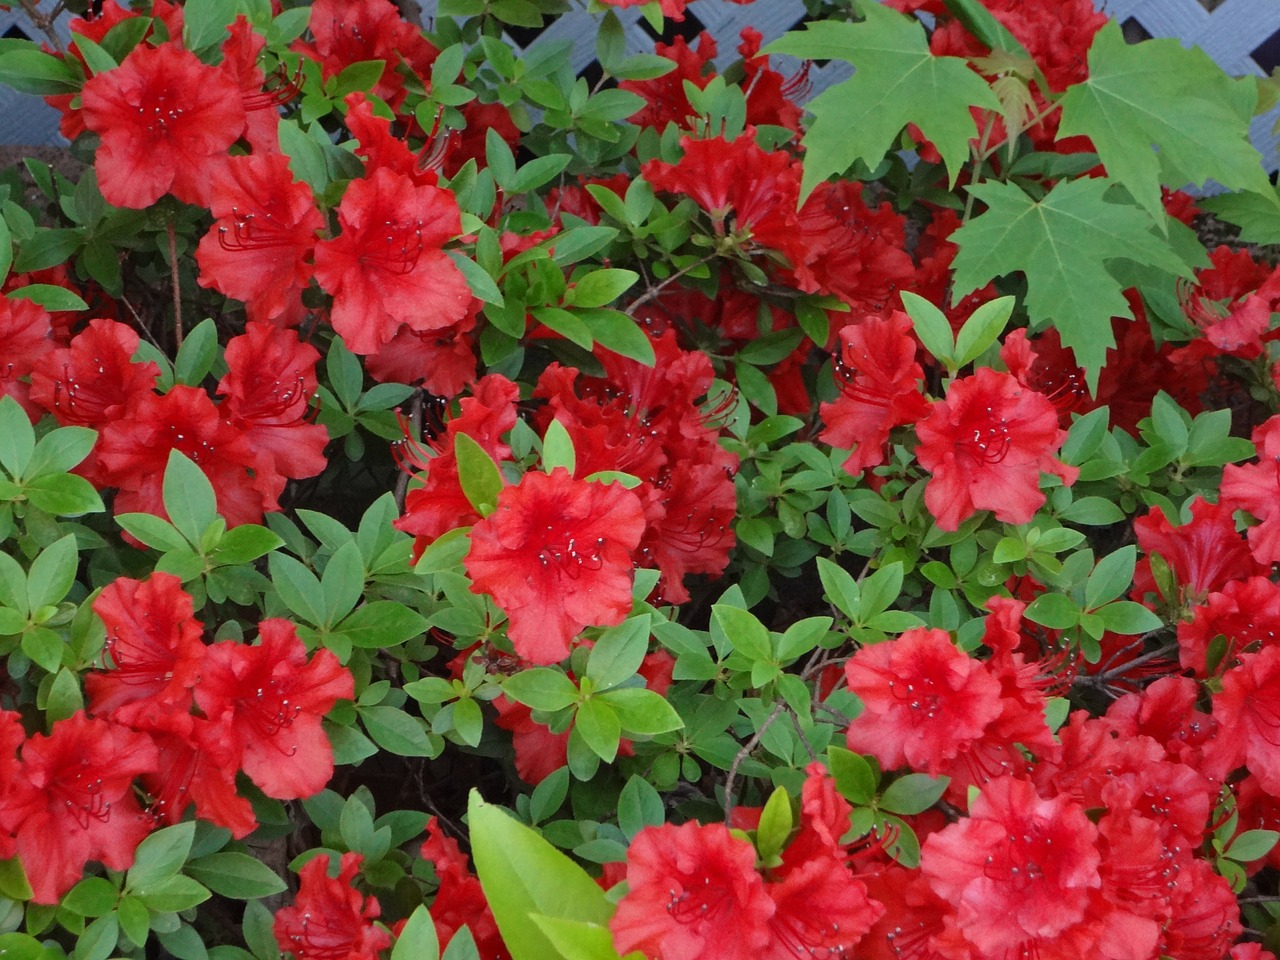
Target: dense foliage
point(741, 527)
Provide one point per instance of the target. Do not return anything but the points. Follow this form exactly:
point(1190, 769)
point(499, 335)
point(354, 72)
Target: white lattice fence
point(1241, 35)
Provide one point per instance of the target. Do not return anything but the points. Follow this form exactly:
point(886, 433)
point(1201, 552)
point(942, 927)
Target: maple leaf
point(1158, 112)
point(1062, 244)
point(898, 81)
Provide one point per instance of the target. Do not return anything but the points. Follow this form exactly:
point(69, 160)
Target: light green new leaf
point(898, 81)
point(1158, 112)
point(1062, 244)
point(523, 875)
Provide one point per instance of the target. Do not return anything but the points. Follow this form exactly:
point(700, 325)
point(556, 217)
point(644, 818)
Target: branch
point(44, 23)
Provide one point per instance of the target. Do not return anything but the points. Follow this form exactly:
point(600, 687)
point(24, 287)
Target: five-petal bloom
point(163, 116)
point(986, 445)
point(556, 556)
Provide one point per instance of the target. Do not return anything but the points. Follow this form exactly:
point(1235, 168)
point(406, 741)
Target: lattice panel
point(1241, 35)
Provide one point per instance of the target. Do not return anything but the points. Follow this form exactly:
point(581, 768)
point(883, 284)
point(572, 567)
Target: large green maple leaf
point(897, 81)
point(1062, 244)
point(1158, 112)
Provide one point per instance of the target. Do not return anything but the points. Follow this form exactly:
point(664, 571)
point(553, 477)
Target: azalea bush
point(452, 507)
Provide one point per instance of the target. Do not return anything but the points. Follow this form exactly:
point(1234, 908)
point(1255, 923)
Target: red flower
point(442, 361)
point(1018, 868)
point(83, 775)
point(330, 918)
point(1204, 554)
point(694, 892)
point(1255, 487)
point(922, 699)
point(1245, 612)
point(820, 910)
point(270, 380)
point(986, 445)
point(665, 96)
point(163, 117)
point(386, 267)
point(459, 900)
point(241, 53)
point(265, 229)
point(17, 797)
point(879, 381)
point(94, 381)
point(134, 452)
point(153, 643)
point(556, 557)
point(269, 700)
point(25, 344)
point(1248, 715)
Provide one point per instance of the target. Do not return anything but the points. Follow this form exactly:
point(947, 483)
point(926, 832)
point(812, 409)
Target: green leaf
point(1158, 112)
point(395, 730)
point(597, 724)
point(205, 22)
point(188, 497)
point(342, 582)
point(197, 354)
point(897, 81)
point(244, 544)
point(913, 793)
point(361, 76)
point(557, 448)
point(6, 249)
point(98, 940)
point(1056, 611)
point(297, 587)
point(49, 296)
point(1128, 618)
point(13, 883)
point(477, 278)
point(601, 287)
point(932, 327)
point(160, 857)
point(840, 588)
point(27, 69)
point(982, 329)
point(616, 331)
point(619, 652)
point(381, 624)
point(575, 940)
point(639, 806)
point(1062, 244)
point(52, 573)
point(418, 940)
point(522, 874)
point(776, 821)
point(152, 530)
point(479, 475)
point(541, 688)
point(236, 875)
point(48, 248)
point(748, 635)
point(1256, 214)
point(17, 439)
point(1111, 577)
point(91, 897)
point(1252, 845)
point(641, 712)
point(854, 777)
point(60, 450)
point(173, 895)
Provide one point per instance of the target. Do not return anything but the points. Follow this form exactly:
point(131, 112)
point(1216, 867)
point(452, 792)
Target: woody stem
point(44, 23)
point(177, 288)
point(415, 427)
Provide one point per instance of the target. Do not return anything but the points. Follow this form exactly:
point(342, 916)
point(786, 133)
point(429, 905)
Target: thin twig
point(177, 287)
point(415, 428)
point(747, 747)
point(44, 23)
point(655, 290)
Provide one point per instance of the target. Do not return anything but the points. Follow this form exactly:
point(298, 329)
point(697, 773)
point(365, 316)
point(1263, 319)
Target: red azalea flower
point(442, 361)
point(1248, 715)
point(1255, 488)
point(693, 892)
point(25, 343)
point(1245, 612)
point(134, 452)
point(83, 777)
point(197, 764)
point(270, 700)
point(922, 700)
point(386, 267)
point(163, 117)
point(1018, 868)
point(820, 910)
point(17, 797)
point(879, 382)
point(459, 900)
point(241, 52)
point(378, 147)
point(153, 644)
point(665, 96)
point(330, 918)
point(94, 381)
point(986, 445)
point(270, 380)
point(1205, 554)
point(759, 188)
point(1166, 712)
point(356, 31)
point(556, 557)
point(265, 229)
